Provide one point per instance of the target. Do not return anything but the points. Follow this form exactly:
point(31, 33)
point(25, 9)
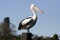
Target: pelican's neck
point(34, 17)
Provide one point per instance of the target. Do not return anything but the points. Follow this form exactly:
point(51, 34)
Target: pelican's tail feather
point(19, 28)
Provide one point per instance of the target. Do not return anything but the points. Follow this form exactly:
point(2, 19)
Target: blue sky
point(47, 24)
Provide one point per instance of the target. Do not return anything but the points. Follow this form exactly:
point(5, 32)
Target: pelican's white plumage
point(29, 22)
point(25, 21)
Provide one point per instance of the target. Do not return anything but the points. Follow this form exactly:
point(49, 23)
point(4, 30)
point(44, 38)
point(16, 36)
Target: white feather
point(25, 21)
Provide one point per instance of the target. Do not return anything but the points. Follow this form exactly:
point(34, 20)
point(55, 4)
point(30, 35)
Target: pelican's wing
point(26, 21)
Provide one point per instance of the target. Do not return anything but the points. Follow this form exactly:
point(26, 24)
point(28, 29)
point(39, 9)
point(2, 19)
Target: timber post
point(26, 36)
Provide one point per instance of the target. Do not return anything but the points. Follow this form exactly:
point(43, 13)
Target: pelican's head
point(34, 7)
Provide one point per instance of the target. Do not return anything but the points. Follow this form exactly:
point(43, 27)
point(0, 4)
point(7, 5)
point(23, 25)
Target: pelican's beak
point(39, 10)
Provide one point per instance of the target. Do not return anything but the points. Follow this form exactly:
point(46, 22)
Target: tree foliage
point(55, 37)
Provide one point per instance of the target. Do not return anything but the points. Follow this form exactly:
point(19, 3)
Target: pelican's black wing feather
point(25, 22)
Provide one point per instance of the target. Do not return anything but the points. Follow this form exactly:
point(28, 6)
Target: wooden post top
point(26, 36)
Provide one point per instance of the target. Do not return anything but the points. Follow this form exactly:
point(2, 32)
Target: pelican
point(29, 22)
